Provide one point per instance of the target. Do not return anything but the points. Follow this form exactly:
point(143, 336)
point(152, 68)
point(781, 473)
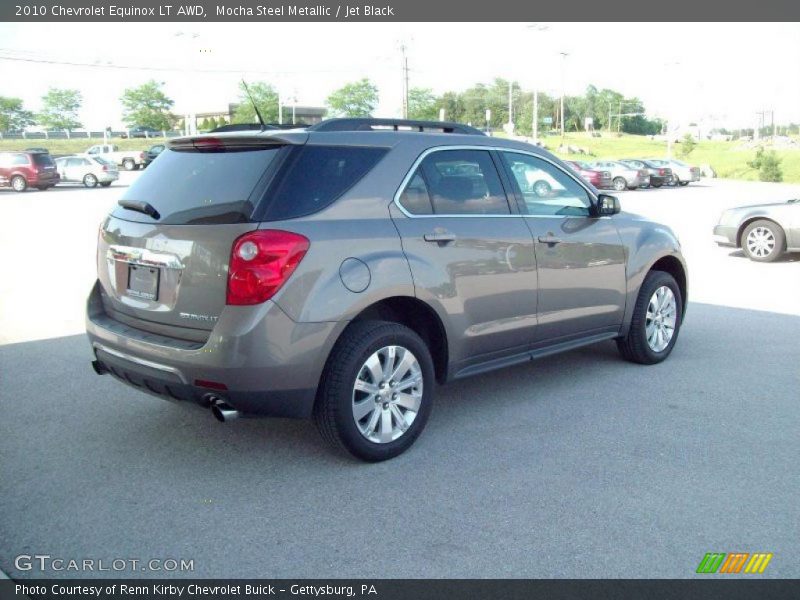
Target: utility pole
point(403, 49)
point(540, 28)
point(563, 83)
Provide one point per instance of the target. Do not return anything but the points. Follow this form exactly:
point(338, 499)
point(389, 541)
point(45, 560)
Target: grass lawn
point(77, 144)
point(727, 159)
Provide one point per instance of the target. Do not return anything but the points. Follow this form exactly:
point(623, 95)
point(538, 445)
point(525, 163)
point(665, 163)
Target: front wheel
point(763, 241)
point(656, 321)
point(377, 390)
point(620, 185)
point(128, 164)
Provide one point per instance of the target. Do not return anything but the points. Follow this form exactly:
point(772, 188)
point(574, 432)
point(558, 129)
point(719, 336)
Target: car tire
point(683, 183)
point(763, 241)
point(42, 188)
point(675, 180)
point(656, 185)
point(105, 183)
point(351, 407)
point(19, 183)
point(620, 185)
point(89, 180)
point(658, 307)
point(128, 164)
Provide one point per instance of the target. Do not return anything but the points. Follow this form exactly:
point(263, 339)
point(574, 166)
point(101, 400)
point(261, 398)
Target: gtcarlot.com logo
point(734, 562)
point(46, 562)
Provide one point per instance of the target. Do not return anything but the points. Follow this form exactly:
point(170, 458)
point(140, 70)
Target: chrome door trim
point(431, 150)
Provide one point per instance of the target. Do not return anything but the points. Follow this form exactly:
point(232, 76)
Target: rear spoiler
point(236, 141)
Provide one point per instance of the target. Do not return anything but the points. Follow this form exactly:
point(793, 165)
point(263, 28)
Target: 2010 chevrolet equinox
point(341, 270)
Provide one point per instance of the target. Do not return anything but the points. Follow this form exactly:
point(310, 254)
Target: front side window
point(546, 189)
point(463, 182)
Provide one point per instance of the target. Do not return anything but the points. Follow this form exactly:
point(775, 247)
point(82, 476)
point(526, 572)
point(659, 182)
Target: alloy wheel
point(661, 319)
point(760, 242)
point(387, 394)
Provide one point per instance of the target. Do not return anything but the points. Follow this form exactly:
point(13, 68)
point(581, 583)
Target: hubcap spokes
point(387, 394)
point(760, 242)
point(662, 313)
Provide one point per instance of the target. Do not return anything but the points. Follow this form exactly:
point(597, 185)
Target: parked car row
point(635, 173)
point(99, 165)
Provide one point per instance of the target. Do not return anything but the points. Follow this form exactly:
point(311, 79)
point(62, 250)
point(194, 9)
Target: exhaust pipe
point(224, 412)
point(99, 367)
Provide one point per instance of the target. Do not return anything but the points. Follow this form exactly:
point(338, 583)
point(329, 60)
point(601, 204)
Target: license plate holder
point(143, 282)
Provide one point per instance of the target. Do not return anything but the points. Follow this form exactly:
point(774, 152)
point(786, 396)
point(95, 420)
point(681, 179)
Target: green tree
point(13, 116)
point(266, 98)
point(212, 123)
point(147, 105)
point(422, 104)
point(768, 165)
point(60, 109)
point(688, 144)
point(355, 99)
point(204, 125)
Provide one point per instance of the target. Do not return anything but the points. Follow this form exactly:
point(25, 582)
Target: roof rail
point(365, 124)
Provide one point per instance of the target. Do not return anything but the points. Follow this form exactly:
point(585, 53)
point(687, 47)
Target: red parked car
point(599, 179)
point(21, 170)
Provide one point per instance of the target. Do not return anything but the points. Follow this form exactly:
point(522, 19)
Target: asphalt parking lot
point(578, 465)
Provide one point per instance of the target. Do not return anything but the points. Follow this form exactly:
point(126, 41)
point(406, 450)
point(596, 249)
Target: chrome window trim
point(432, 149)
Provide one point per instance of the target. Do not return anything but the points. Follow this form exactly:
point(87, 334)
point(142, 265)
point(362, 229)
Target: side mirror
point(607, 205)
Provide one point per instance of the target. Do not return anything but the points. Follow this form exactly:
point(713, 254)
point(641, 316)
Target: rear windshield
point(42, 160)
point(193, 188)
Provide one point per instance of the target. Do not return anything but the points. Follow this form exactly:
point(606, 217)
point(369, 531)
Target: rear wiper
point(140, 206)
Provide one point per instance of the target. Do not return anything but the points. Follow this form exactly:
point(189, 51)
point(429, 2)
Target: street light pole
point(536, 27)
point(563, 83)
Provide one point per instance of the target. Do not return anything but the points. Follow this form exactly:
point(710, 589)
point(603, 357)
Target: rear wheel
point(89, 180)
point(656, 185)
point(377, 390)
point(18, 183)
point(620, 185)
point(128, 164)
point(763, 241)
point(656, 321)
point(42, 188)
point(541, 188)
point(105, 183)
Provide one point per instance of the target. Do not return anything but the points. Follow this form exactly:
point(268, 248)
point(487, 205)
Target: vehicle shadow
point(787, 257)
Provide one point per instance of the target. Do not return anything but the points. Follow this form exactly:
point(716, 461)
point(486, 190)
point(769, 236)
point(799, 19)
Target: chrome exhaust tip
point(224, 412)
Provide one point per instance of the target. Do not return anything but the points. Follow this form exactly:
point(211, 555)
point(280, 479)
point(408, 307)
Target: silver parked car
point(352, 266)
point(682, 173)
point(87, 170)
point(624, 176)
point(763, 231)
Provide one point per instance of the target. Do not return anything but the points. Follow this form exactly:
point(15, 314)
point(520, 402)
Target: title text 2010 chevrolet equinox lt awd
point(342, 270)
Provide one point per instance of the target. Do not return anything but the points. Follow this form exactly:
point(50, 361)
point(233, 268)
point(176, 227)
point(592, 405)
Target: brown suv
point(21, 170)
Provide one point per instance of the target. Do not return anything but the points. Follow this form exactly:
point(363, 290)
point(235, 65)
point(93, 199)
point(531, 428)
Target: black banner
point(382, 589)
point(393, 11)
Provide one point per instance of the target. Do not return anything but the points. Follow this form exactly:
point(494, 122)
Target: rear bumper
point(268, 364)
point(725, 235)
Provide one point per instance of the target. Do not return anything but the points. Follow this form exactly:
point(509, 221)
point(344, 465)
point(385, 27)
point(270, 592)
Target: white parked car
point(682, 173)
point(127, 159)
point(624, 176)
point(88, 170)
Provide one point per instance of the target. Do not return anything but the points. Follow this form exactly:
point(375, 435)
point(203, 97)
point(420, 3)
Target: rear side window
point(19, 159)
point(313, 177)
point(415, 198)
point(189, 188)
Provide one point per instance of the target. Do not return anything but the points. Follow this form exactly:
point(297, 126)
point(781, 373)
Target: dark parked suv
point(343, 270)
point(21, 170)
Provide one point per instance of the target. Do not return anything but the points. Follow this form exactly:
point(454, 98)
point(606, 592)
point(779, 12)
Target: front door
point(580, 258)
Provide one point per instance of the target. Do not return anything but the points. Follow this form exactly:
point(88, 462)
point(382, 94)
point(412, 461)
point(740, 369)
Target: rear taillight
point(261, 262)
point(662, 171)
point(141, 155)
point(105, 167)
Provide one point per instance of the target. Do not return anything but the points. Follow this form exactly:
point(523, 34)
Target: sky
point(718, 73)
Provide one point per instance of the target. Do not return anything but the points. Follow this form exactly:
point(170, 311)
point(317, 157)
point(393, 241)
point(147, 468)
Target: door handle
point(549, 239)
point(441, 238)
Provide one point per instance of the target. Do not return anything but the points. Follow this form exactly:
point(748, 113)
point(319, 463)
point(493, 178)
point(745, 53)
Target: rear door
point(470, 253)
point(167, 271)
point(580, 258)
